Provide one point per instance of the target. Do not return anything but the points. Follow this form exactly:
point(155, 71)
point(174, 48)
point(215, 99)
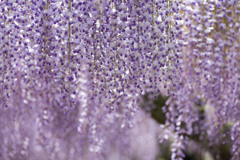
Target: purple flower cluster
point(73, 73)
point(209, 74)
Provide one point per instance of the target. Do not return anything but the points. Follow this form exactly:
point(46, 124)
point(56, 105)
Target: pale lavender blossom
point(73, 74)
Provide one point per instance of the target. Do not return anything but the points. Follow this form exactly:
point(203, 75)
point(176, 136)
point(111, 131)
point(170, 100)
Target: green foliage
point(156, 111)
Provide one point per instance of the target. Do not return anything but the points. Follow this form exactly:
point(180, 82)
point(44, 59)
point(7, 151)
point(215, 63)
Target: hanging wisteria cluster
point(73, 74)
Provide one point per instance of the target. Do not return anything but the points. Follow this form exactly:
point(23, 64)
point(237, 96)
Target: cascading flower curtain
point(73, 73)
point(209, 76)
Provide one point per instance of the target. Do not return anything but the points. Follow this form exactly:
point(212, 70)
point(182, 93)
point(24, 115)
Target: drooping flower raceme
point(73, 73)
point(209, 74)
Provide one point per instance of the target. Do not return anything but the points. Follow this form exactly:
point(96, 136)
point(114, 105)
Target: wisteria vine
point(74, 73)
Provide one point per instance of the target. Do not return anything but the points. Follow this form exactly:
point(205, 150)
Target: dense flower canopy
point(74, 73)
